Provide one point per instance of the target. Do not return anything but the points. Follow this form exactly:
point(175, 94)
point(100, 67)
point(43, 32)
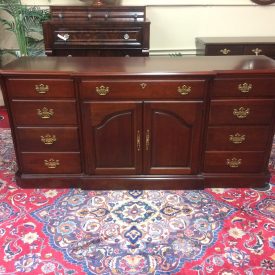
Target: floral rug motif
point(71, 231)
point(133, 230)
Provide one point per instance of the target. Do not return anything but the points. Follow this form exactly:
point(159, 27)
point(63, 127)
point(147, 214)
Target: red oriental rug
point(72, 231)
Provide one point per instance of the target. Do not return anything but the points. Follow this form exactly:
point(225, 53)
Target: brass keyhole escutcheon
point(143, 85)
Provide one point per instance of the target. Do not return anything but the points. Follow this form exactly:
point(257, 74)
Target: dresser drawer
point(259, 49)
point(48, 139)
point(234, 162)
point(243, 87)
point(237, 138)
point(177, 89)
point(51, 163)
point(109, 36)
point(224, 49)
point(96, 13)
point(40, 88)
point(241, 112)
point(46, 112)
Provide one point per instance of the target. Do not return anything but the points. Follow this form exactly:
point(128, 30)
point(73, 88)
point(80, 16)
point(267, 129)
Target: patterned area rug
point(71, 231)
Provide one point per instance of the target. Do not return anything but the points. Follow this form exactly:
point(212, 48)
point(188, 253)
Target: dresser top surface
point(240, 40)
point(139, 65)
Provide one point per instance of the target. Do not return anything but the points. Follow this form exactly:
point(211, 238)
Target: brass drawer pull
point(147, 140)
point(41, 88)
point(102, 90)
point(242, 112)
point(237, 138)
point(45, 113)
point(234, 163)
point(48, 139)
point(138, 141)
point(64, 37)
point(184, 90)
point(245, 87)
point(51, 163)
point(225, 51)
point(126, 36)
point(256, 51)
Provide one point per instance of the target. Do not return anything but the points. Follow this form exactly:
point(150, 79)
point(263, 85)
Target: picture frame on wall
point(263, 2)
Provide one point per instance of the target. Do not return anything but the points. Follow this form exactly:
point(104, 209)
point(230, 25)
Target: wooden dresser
point(236, 46)
point(141, 122)
point(97, 31)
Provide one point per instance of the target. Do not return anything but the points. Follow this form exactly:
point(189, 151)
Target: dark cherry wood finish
point(174, 129)
point(97, 31)
point(236, 46)
point(110, 134)
point(141, 122)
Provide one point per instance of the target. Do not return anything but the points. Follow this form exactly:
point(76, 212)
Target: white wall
point(176, 23)
point(180, 25)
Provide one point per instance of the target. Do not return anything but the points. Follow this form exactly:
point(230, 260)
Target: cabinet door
point(172, 134)
point(112, 137)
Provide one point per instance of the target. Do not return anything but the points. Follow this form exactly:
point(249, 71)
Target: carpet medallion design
point(126, 233)
point(267, 208)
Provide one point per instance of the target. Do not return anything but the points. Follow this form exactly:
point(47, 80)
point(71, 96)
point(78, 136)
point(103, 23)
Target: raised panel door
point(172, 133)
point(112, 137)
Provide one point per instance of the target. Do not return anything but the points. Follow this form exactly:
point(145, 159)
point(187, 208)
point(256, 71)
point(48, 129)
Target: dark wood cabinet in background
point(145, 123)
point(97, 31)
point(236, 46)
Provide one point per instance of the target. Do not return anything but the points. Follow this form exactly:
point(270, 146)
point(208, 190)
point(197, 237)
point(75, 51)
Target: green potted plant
point(26, 24)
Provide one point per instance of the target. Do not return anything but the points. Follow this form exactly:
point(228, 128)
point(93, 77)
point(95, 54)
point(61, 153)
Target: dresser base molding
point(236, 181)
point(192, 182)
point(110, 182)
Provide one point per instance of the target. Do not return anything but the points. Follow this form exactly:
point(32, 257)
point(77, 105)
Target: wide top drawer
point(224, 49)
point(143, 89)
point(40, 88)
point(103, 13)
point(109, 36)
point(244, 87)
